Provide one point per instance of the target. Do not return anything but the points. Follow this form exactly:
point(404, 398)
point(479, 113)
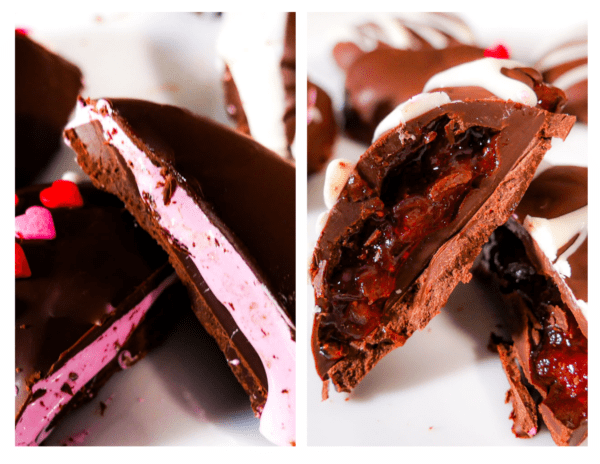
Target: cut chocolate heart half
point(222, 206)
point(101, 287)
point(538, 260)
point(419, 205)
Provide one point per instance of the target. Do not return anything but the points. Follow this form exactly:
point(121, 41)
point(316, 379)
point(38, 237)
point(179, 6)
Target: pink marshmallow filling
point(31, 429)
point(230, 279)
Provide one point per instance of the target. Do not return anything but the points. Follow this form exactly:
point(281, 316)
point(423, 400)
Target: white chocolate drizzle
point(336, 177)
point(553, 234)
point(321, 220)
point(410, 109)
point(395, 30)
point(570, 52)
point(572, 77)
point(485, 73)
point(252, 44)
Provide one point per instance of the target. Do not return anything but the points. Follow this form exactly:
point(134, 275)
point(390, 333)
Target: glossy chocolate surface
point(555, 192)
point(46, 89)
point(257, 206)
point(548, 342)
point(413, 190)
point(98, 264)
point(244, 189)
point(288, 71)
point(577, 90)
point(380, 80)
point(321, 130)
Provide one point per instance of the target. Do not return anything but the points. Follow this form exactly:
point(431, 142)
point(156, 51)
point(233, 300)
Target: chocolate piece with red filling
point(415, 212)
point(46, 89)
point(321, 130)
point(94, 299)
point(547, 326)
point(222, 206)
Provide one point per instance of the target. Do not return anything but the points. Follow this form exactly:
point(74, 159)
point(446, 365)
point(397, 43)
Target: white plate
point(443, 387)
point(183, 393)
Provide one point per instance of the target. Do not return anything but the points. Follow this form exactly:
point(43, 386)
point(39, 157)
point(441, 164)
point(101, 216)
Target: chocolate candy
point(46, 89)
point(321, 130)
point(259, 80)
point(222, 206)
point(418, 206)
point(389, 60)
point(539, 261)
point(566, 67)
point(93, 289)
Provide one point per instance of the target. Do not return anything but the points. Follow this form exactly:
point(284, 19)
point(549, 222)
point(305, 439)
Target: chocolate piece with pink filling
point(322, 128)
point(96, 297)
point(222, 206)
point(546, 302)
point(413, 214)
point(46, 90)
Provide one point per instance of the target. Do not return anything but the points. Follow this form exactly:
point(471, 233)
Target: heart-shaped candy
point(62, 194)
point(499, 51)
point(36, 223)
point(21, 265)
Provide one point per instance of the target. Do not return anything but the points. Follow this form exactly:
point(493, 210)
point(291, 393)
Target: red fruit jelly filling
point(559, 364)
point(558, 361)
point(421, 196)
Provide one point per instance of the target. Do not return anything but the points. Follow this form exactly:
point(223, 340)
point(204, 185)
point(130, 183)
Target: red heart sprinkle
point(16, 200)
point(21, 265)
point(499, 51)
point(22, 31)
point(62, 194)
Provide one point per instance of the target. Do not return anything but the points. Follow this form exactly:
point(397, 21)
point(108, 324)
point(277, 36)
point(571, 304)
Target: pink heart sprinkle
point(36, 223)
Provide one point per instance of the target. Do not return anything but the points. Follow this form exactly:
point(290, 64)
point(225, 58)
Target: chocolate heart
point(61, 194)
point(36, 223)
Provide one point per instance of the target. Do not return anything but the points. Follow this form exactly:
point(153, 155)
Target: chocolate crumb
point(66, 388)
point(169, 190)
point(103, 407)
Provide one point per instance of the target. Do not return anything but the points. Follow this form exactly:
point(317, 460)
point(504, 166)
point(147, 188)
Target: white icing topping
point(562, 55)
point(410, 109)
point(251, 44)
point(552, 234)
point(336, 177)
point(572, 77)
point(485, 73)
